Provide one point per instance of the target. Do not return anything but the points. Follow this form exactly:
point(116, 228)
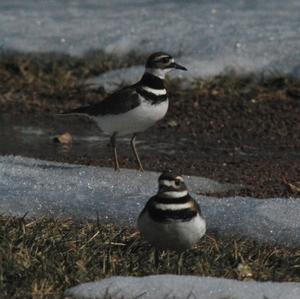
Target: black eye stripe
point(162, 59)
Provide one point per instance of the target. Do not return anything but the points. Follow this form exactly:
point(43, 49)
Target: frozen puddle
point(41, 188)
point(183, 287)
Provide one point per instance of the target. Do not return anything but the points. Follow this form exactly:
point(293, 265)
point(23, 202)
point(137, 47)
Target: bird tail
point(81, 111)
point(70, 115)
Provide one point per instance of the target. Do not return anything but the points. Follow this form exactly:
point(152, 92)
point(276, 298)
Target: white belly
point(175, 235)
point(137, 120)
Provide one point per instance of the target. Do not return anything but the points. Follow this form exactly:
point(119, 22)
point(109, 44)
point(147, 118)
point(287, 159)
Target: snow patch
point(174, 286)
point(50, 188)
point(217, 34)
point(43, 188)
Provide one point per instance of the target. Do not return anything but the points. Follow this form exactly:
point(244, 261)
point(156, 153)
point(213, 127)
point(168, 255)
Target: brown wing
point(118, 102)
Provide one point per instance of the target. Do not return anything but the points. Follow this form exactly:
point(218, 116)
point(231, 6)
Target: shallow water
point(32, 136)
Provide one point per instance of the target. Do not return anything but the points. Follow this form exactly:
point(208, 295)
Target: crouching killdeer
point(172, 218)
point(134, 108)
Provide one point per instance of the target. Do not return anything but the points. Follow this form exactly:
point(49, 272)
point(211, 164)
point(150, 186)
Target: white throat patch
point(174, 206)
point(160, 73)
point(174, 194)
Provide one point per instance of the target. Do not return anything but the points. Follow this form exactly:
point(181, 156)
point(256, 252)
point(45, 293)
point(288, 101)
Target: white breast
point(176, 235)
point(137, 120)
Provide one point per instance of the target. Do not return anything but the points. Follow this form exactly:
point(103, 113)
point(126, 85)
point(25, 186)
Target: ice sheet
point(183, 287)
point(50, 188)
point(209, 35)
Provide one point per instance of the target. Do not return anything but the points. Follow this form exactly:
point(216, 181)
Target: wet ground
point(241, 129)
point(255, 144)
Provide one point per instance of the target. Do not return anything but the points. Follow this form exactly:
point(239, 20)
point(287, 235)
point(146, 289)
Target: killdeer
point(172, 218)
point(134, 108)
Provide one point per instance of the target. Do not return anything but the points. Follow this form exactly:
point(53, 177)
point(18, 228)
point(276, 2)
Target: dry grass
point(253, 87)
point(42, 257)
point(52, 82)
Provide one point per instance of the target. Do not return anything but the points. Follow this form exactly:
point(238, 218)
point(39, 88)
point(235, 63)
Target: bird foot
point(141, 169)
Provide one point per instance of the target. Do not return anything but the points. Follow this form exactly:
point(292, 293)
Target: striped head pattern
point(171, 186)
point(172, 201)
point(172, 219)
point(160, 63)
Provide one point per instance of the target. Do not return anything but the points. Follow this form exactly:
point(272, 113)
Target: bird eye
point(165, 59)
point(177, 182)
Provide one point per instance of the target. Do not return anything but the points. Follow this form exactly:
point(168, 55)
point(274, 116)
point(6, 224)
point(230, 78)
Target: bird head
point(160, 63)
point(171, 185)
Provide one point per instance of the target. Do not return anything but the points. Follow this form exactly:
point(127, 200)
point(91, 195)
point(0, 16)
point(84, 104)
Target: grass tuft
point(44, 256)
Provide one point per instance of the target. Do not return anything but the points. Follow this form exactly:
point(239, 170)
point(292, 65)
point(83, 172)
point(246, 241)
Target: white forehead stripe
point(170, 183)
point(173, 194)
point(173, 206)
point(157, 92)
point(161, 56)
point(179, 178)
point(167, 183)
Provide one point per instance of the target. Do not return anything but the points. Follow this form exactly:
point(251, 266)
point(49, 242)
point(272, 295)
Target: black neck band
point(152, 81)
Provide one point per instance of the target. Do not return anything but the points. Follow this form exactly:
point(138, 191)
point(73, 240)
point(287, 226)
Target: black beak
point(178, 66)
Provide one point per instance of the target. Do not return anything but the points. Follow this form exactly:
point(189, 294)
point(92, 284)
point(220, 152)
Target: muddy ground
point(239, 129)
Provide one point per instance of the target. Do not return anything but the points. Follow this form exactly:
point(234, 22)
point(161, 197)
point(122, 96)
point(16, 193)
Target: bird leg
point(180, 263)
point(156, 258)
point(136, 155)
point(114, 148)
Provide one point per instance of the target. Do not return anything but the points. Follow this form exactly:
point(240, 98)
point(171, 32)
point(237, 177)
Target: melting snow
point(209, 35)
point(45, 188)
point(181, 287)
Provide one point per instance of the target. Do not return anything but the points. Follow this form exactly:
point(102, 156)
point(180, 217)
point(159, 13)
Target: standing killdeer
point(172, 218)
point(134, 108)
